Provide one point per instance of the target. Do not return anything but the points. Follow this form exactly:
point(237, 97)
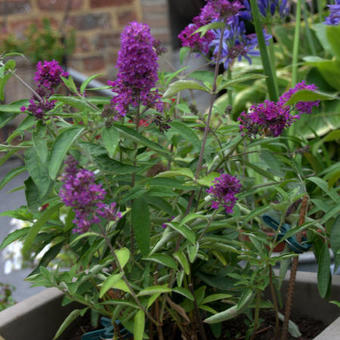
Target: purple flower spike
point(224, 190)
point(301, 107)
point(47, 79)
point(137, 70)
point(268, 119)
point(334, 14)
point(80, 192)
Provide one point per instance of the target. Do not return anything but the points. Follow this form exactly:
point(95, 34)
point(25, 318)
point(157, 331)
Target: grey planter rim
point(46, 308)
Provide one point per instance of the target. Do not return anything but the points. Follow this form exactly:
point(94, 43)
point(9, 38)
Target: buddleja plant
point(156, 204)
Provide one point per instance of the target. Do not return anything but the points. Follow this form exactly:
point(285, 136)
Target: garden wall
point(98, 24)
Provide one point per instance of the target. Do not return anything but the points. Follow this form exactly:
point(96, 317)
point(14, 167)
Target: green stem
point(308, 31)
point(319, 9)
point(296, 43)
point(267, 65)
point(257, 314)
point(272, 58)
point(230, 94)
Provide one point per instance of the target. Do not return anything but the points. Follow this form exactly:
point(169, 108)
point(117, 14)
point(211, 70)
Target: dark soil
point(232, 330)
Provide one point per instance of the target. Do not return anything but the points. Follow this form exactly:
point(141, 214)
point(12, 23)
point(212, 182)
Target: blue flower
point(236, 43)
point(267, 8)
point(334, 15)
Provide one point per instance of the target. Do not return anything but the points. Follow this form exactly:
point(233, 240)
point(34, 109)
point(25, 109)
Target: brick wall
point(98, 24)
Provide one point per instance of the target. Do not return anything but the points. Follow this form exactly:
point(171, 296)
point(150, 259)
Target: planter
point(39, 316)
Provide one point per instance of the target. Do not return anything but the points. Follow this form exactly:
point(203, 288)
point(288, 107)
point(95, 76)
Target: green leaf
point(10, 175)
point(183, 291)
point(69, 83)
point(109, 283)
point(35, 228)
point(184, 231)
point(335, 240)
point(111, 165)
point(208, 180)
point(139, 325)
point(183, 52)
point(245, 300)
point(70, 318)
point(181, 258)
point(216, 297)
point(324, 273)
point(309, 96)
point(181, 85)
point(40, 144)
point(160, 289)
point(140, 218)
point(333, 33)
point(187, 133)
point(323, 185)
point(163, 259)
point(38, 171)
point(135, 136)
point(110, 137)
point(329, 69)
point(177, 172)
point(123, 256)
point(121, 285)
point(214, 25)
point(76, 102)
point(87, 81)
point(15, 235)
point(60, 148)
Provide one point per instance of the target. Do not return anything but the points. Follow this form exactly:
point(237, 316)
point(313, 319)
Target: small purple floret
point(301, 107)
point(80, 192)
point(223, 190)
point(137, 70)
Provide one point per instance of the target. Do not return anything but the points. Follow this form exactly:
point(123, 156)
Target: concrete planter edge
point(39, 316)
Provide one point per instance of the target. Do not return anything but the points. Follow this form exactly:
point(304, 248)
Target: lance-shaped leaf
point(181, 85)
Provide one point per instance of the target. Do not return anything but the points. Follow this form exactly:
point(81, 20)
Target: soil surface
point(232, 330)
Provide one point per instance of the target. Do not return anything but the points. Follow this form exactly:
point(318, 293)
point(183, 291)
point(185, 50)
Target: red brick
point(15, 7)
point(127, 16)
point(109, 3)
point(82, 44)
point(104, 40)
point(93, 63)
point(91, 21)
point(59, 5)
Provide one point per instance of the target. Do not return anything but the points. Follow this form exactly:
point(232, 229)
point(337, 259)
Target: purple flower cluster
point(223, 190)
point(267, 8)
point(80, 192)
point(334, 14)
point(194, 40)
point(301, 107)
point(137, 70)
point(272, 118)
point(268, 118)
point(47, 79)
